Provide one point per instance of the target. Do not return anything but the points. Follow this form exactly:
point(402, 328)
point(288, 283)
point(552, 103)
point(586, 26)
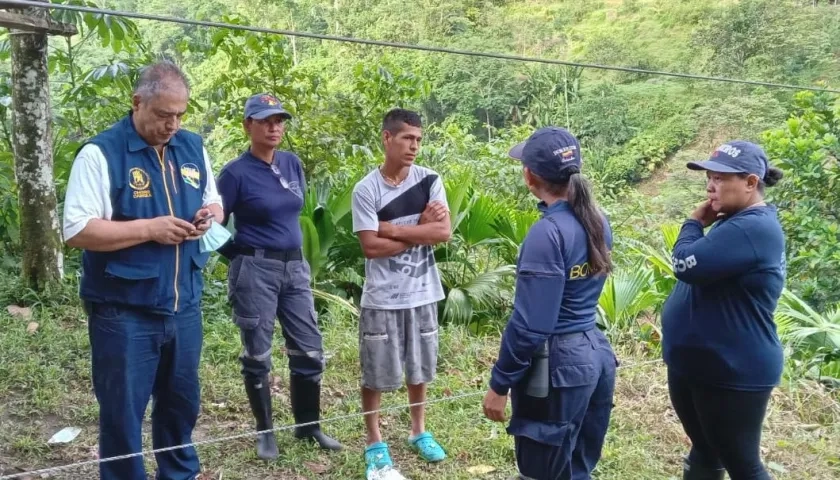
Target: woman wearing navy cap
point(268, 276)
point(557, 365)
point(719, 340)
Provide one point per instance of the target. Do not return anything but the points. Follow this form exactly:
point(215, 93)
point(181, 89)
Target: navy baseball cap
point(548, 152)
point(263, 105)
point(737, 156)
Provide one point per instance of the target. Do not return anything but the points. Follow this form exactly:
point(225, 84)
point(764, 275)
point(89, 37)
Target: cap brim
point(516, 151)
point(267, 113)
point(711, 166)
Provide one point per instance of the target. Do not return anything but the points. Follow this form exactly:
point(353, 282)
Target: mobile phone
point(203, 219)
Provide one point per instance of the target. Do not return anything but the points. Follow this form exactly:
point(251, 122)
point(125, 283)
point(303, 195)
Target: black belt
point(283, 255)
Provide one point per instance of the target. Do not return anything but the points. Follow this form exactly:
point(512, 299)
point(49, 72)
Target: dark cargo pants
point(561, 437)
point(263, 289)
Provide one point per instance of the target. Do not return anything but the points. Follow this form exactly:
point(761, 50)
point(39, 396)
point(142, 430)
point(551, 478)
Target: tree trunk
point(40, 232)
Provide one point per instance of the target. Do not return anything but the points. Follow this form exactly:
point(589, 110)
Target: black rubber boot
point(259, 396)
point(697, 472)
point(306, 407)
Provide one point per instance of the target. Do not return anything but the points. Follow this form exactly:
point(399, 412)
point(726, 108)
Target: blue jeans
point(136, 356)
point(560, 437)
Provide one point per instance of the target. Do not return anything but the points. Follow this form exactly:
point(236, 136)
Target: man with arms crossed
point(399, 212)
point(139, 197)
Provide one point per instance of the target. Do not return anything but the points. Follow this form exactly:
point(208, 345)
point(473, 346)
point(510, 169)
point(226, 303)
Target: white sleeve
point(438, 192)
point(211, 192)
point(364, 212)
point(88, 191)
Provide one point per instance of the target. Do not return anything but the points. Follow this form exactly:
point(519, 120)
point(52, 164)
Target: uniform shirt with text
point(556, 293)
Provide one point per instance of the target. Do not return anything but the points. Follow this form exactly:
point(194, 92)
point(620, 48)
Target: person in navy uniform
point(140, 196)
point(268, 277)
point(719, 339)
point(561, 270)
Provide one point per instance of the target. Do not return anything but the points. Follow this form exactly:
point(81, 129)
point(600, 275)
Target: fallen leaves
point(21, 312)
point(481, 470)
point(24, 313)
point(317, 468)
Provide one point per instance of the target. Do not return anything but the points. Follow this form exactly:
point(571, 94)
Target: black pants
point(724, 426)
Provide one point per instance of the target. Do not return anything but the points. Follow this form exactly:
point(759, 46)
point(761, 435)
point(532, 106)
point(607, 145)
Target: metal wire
point(407, 46)
point(35, 473)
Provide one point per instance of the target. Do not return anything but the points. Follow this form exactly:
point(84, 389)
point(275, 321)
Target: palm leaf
point(801, 325)
point(626, 294)
point(489, 286)
point(670, 232)
point(458, 308)
point(311, 245)
point(340, 201)
point(478, 225)
point(458, 190)
point(336, 300)
point(482, 291)
point(515, 224)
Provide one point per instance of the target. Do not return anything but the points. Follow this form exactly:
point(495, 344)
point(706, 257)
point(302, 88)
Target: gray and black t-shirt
point(410, 278)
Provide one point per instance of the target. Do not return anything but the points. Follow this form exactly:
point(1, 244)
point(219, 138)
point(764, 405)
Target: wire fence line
point(338, 418)
point(398, 45)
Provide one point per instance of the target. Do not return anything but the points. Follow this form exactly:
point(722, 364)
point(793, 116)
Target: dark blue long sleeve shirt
point(555, 292)
point(717, 324)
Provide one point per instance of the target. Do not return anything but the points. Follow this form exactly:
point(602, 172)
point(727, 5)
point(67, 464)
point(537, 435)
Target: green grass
point(45, 386)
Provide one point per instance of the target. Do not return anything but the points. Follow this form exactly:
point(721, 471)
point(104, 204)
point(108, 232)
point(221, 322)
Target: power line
point(407, 46)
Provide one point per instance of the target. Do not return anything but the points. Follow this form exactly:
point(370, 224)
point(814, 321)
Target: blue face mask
point(214, 238)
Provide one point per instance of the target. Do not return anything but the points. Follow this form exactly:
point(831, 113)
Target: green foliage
point(645, 152)
point(807, 150)
point(767, 38)
point(813, 337)
point(627, 294)
point(9, 221)
point(474, 110)
point(329, 132)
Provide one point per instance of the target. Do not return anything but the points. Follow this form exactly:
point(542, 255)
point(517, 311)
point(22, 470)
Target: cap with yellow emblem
point(264, 105)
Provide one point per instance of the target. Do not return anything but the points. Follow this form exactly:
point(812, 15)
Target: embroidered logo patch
point(191, 175)
point(138, 180)
point(269, 100)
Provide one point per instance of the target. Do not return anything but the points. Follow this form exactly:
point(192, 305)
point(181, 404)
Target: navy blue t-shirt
point(555, 291)
point(717, 324)
point(265, 200)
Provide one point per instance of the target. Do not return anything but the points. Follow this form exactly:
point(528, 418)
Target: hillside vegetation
point(637, 131)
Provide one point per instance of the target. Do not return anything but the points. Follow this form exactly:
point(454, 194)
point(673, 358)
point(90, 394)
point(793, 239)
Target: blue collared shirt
point(265, 200)
point(555, 292)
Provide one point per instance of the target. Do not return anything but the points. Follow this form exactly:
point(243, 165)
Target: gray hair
point(159, 76)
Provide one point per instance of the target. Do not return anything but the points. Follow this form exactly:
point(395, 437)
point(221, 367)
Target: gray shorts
point(393, 342)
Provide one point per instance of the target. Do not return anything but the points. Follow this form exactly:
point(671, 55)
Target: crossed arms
point(389, 240)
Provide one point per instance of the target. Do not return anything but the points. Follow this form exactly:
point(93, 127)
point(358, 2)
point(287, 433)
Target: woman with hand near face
point(719, 339)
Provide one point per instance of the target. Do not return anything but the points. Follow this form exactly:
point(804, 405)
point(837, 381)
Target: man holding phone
point(140, 196)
